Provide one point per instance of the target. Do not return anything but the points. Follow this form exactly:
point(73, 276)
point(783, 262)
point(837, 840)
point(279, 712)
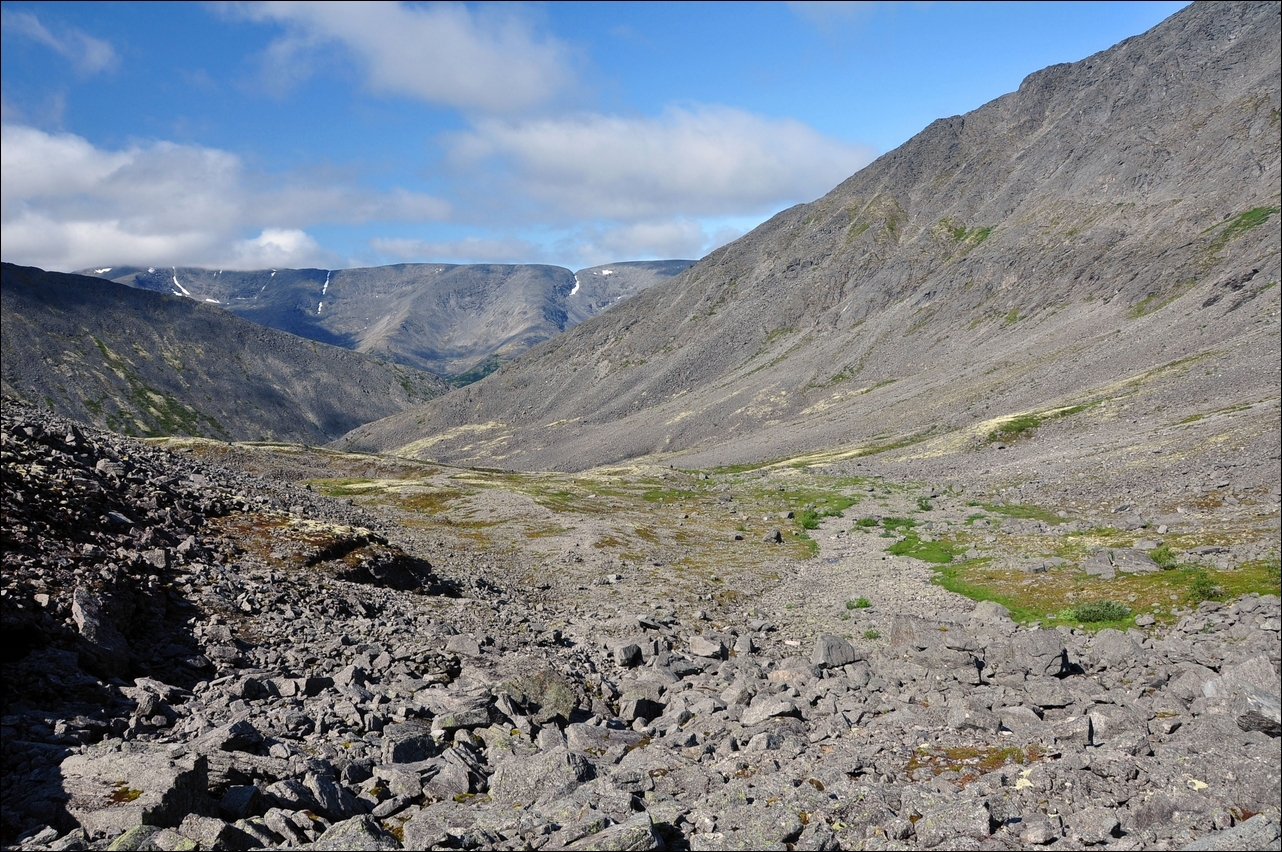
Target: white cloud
point(284, 247)
point(489, 60)
point(703, 161)
point(466, 250)
point(664, 239)
point(66, 204)
point(89, 55)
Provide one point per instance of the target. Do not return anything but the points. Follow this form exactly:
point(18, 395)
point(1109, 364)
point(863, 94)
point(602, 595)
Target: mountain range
point(1096, 253)
point(153, 364)
point(940, 512)
point(1083, 269)
point(459, 322)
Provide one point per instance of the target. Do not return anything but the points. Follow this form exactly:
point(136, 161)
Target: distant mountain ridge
point(1112, 220)
point(147, 363)
point(452, 320)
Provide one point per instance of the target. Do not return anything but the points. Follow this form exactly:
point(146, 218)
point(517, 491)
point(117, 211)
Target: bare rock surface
point(269, 693)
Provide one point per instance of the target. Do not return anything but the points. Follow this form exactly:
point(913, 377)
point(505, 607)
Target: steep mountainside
point(450, 320)
point(149, 363)
point(1096, 254)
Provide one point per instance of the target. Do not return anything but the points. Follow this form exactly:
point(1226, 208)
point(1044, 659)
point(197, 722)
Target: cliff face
point(1111, 218)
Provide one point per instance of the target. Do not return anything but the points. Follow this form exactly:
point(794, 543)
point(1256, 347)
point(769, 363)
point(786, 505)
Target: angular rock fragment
point(115, 786)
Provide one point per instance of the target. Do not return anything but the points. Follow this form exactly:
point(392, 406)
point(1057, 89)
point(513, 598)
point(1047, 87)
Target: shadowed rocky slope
point(447, 319)
point(1099, 249)
point(148, 363)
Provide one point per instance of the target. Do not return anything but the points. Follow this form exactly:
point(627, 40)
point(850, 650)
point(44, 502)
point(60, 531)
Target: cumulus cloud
point(88, 55)
point(671, 238)
point(276, 247)
point(701, 161)
point(67, 204)
point(677, 237)
point(490, 60)
point(466, 250)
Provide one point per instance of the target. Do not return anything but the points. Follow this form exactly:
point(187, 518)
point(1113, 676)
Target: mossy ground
point(703, 532)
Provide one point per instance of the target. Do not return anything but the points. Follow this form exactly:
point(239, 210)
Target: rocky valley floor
point(212, 646)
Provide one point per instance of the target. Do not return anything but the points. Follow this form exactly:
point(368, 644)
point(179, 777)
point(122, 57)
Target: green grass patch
point(1058, 596)
point(345, 487)
point(1202, 587)
point(1016, 510)
point(1093, 612)
point(908, 441)
point(809, 518)
point(1164, 556)
point(1237, 226)
point(669, 495)
point(1022, 425)
point(938, 552)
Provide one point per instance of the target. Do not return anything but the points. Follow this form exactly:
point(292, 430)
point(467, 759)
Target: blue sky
point(253, 135)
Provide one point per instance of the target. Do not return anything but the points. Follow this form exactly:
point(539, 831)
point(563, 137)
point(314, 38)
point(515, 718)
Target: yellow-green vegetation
point(123, 793)
point(1015, 510)
point(687, 528)
point(1164, 556)
point(1156, 301)
point(151, 413)
point(831, 507)
point(962, 239)
point(345, 487)
point(1022, 425)
point(1096, 611)
point(1237, 226)
point(1058, 595)
point(970, 762)
point(712, 532)
point(898, 444)
point(940, 552)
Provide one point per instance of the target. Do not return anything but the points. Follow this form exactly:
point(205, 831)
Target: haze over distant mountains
point(459, 322)
point(1097, 251)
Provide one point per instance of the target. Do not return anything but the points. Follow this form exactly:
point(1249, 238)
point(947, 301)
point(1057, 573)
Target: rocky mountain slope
point(1089, 264)
point(149, 363)
point(455, 321)
point(199, 657)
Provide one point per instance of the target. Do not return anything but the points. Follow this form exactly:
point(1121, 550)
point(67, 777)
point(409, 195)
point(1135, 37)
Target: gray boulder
point(1092, 825)
point(543, 777)
point(107, 649)
point(114, 787)
point(356, 835)
point(833, 652)
point(634, 835)
point(1258, 832)
point(947, 823)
